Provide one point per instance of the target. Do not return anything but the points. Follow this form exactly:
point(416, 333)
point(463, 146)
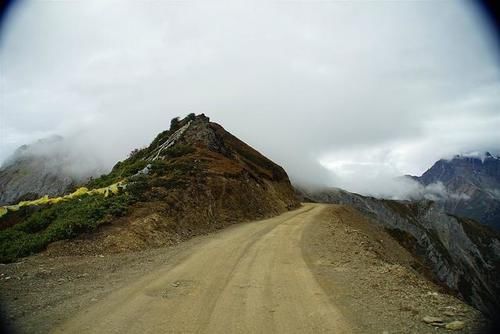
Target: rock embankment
point(459, 254)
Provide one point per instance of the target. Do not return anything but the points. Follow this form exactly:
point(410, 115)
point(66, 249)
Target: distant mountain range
point(472, 186)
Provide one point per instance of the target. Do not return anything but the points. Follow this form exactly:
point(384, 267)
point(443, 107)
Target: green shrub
point(174, 123)
point(160, 138)
point(139, 187)
point(168, 183)
point(60, 221)
point(178, 151)
point(121, 170)
point(131, 166)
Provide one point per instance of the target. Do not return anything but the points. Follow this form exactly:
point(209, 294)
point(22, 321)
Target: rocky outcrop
point(461, 254)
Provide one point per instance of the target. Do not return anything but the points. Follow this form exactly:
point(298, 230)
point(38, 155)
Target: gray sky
point(368, 90)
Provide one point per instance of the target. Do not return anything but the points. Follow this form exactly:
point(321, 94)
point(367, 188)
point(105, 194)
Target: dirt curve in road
point(251, 278)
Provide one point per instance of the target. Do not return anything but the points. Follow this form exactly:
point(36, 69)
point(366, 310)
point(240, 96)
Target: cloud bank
point(68, 157)
point(348, 94)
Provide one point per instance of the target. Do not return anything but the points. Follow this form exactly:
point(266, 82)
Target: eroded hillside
point(458, 253)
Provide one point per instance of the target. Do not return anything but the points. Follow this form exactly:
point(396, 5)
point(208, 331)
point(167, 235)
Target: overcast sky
point(368, 90)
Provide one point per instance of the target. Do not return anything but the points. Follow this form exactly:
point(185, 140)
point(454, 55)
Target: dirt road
point(251, 278)
point(291, 273)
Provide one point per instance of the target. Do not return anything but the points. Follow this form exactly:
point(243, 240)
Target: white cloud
point(374, 90)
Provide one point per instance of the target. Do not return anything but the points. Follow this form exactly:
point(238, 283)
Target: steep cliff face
point(474, 183)
point(194, 178)
point(461, 254)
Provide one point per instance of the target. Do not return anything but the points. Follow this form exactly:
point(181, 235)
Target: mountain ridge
point(476, 181)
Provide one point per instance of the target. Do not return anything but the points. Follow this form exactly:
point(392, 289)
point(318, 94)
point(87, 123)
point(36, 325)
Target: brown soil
point(199, 209)
point(317, 269)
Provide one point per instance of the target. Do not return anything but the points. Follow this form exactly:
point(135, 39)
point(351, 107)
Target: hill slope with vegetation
point(193, 178)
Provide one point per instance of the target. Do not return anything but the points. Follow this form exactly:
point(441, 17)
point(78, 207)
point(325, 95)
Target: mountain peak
point(473, 182)
point(196, 138)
